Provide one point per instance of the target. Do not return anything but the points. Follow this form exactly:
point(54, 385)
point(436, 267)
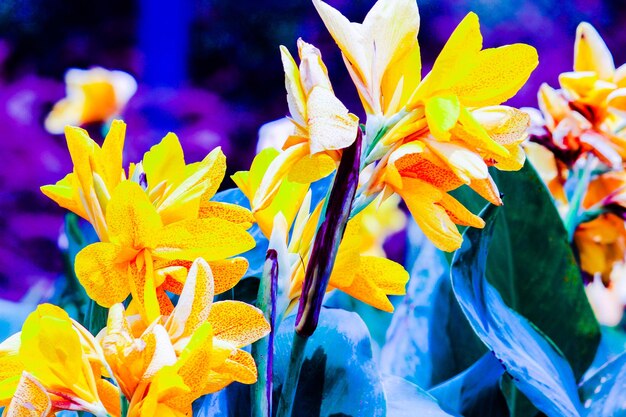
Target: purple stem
point(328, 239)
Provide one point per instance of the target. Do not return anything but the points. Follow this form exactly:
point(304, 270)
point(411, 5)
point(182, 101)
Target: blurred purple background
point(209, 71)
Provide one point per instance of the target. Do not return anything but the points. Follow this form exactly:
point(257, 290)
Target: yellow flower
point(322, 126)
point(54, 364)
point(144, 257)
point(436, 134)
point(163, 366)
point(177, 190)
point(93, 95)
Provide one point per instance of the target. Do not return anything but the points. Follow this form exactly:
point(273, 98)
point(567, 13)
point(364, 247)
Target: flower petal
point(102, 271)
point(131, 218)
point(231, 212)
point(212, 239)
point(30, 399)
point(498, 75)
point(194, 303)
point(591, 53)
point(330, 124)
point(238, 323)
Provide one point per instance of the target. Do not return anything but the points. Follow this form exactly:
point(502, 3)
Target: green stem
point(575, 211)
point(263, 349)
point(95, 317)
point(288, 391)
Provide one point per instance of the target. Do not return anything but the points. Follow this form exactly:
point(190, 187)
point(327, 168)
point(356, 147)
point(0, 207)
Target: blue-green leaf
point(537, 369)
point(338, 375)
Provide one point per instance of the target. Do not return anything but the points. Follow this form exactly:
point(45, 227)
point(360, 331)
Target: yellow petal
point(143, 286)
point(498, 75)
point(110, 396)
point(296, 99)
point(442, 114)
point(65, 194)
point(375, 279)
point(471, 131)
point(131, 218)
point(349, 38)
point(228, 272)
point(231, 212)
point(591, 53)
point(457, 58)
point(401, 79)
point(505, 125)
point(348, 256)
point(103, 272)
point(30, 400)
point(465, 163)
point(312, 168)
point(421, 199)
point(330, 124)
point(194, 303)
point(391, 28)
point(276, 172)
point(112, 151)
point(10, 363)
point(53, 354)
point(164, 162)
point(212, 239)
point(200, 182)
point(238, 323)
point(458, 213)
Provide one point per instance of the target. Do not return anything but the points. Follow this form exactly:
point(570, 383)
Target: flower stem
point(263, 349)
point(575, 210)
point(321, 262)
point(288, 391)
point(95, 317)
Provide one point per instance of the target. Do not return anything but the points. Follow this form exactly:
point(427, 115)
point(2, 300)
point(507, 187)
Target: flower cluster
point(325, 197)
point(578, 145)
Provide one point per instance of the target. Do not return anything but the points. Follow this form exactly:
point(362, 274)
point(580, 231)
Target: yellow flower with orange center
point(152, 223)
point(164, 365)
point(93, 95)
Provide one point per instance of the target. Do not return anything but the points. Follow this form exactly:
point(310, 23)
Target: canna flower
point(586, 115)
point(433, 135)
point(93, 95)
point(145, 258)
point(54, 364)
point(164, 365)
point(379, 221)
point(322, 126)
point(152, 223)
point(177, 190)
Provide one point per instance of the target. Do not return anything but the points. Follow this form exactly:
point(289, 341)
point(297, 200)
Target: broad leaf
point(405, 399)
point(603, 392)
point(429, 339)
point(533, 267)
point(537, 369)
point(338, 375)
point(476, 391)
